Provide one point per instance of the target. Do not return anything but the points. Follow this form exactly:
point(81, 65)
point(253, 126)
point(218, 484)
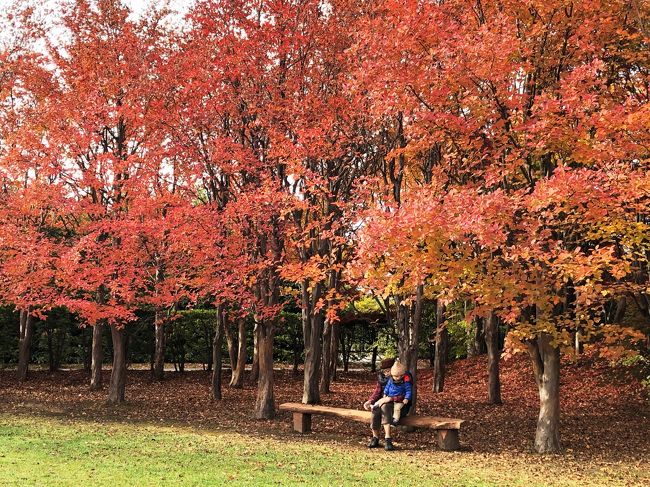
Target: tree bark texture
point(546, 367)
point(325, 375)
point(237, 380)
point(334, 350)
point(217, 359)
point(312, 329)
point(265, 401)
point(97, 354)
point(255, 367)
point(97, 357)
point(408, 331)
point(25, 343)
point(118, 374)
point(159, 351)
point(442, 341)
point(232, 345)
point(476, 343)
point(492, 342)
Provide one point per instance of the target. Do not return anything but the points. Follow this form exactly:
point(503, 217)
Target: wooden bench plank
point(365, 416)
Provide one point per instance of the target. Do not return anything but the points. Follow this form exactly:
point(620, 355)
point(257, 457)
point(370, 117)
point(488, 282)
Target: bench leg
point(448, 440)
point(302, 422)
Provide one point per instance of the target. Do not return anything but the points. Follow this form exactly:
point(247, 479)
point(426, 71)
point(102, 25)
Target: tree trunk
point(442, 339)
point(25, 343)
point(325, 376)
point(232, 346)
point(118, 374)
point(159, 353)
point(97, 358)
point(492, 342)
point(237, 380)
point(255, 367)
point(334, 350)
point(88, 350)
point(50, 348)
point(578, 342)
point(476, 344)
point(312, 329)
point(373, 363)
point(59, 344)
point(217, 344)
point(408, 329)
point(296, 353)
point(546, 367)
point(265, 401)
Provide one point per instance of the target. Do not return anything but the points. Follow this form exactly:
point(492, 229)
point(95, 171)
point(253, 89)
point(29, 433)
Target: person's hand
point(367, 405)
point(405, 401)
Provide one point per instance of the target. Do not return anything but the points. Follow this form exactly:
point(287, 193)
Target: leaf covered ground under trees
point(605, 422)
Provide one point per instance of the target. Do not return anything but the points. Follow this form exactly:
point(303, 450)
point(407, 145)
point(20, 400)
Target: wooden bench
point(446, 428)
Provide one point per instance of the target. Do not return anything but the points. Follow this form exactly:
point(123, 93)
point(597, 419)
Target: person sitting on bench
point(383, 415)
point(397, 390)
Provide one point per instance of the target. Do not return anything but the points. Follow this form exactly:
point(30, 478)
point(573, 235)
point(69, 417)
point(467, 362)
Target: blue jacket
point(400, 389)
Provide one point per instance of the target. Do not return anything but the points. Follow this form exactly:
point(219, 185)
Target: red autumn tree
point(519, 101)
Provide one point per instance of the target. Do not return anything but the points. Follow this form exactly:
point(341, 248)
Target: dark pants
point(384, 415)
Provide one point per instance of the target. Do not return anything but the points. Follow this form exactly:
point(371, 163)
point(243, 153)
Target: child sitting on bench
point(397, 390)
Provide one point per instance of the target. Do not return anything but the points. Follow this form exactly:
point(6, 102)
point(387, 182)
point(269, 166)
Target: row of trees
point(299, 151)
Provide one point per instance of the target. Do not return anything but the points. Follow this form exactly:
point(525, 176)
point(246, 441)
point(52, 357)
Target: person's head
point(385, 365)
point(397, 372)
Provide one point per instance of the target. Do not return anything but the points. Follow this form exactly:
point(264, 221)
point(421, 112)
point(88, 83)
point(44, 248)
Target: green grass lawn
point(44, 451)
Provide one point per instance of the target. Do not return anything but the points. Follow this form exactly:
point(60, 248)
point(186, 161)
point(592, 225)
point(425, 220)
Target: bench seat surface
point(365, 416)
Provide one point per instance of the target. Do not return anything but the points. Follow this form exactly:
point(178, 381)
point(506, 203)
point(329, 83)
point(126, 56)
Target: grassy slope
point(46, 451)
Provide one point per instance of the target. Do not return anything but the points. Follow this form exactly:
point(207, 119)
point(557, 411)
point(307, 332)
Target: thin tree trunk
point(159, 353)
point(578, 342)
point(492, 342)
point(296, 352)
point(217, 358)
point(88, 351)
point(50, 349)
point(546, 367)
point(476, 344)
point(25, 343)
point(97, 358)
point(118, 374)
point(373, 363)
point(232, 346)
point(265, 401)
point(334, 350)
point(442, 340)
point(408, 323)
point(255, 367)
point(237, 380)
point(59, 344)
point(325, 376)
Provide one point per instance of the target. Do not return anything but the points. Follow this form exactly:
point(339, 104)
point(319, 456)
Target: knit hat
point(387, 363)
point(398, 369)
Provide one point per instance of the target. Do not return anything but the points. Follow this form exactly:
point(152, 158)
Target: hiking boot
point(389, 445)
point(374, 443)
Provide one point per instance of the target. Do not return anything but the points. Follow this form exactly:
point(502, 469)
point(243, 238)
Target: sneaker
point(395, 422)
point(374, 443)
point(389, 445)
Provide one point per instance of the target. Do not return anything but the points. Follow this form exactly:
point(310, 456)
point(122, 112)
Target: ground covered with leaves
point(605, 425)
